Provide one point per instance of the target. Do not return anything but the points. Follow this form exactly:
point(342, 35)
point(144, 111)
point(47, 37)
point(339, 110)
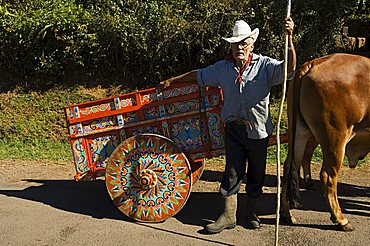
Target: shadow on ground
point(91, 198)
point(88, 198)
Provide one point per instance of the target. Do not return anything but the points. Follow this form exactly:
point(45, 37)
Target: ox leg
point(329, 173)
point(307, 182)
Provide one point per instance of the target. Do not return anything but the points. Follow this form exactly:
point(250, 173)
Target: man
point(246, 79)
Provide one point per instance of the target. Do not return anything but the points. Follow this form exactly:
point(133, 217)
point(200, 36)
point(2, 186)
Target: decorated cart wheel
point(197, 167)
point(148, 178)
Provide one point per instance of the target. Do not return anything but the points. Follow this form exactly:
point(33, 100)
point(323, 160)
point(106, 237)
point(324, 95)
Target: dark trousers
point(239, 150)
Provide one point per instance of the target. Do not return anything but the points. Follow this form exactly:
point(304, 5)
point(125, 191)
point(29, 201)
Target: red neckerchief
point(239, 78)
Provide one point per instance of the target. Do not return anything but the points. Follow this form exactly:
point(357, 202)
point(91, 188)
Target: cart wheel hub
point(148, 179)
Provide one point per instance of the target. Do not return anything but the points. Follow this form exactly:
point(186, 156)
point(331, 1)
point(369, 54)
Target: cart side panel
point(186, 114)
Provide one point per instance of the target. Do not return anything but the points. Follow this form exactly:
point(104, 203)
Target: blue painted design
point(130, 117)
point(215, 128)
point(120, 120)
point(162, 110)
point(79, 155)
point(186, 134)
point(77, 111)
point(117, 103)
point(101, 149)
point(182, 107)
point(99, 124)
point(159, 94)
point(79, 128)
point(151, 113)
point(166, 132)
point(123, 135)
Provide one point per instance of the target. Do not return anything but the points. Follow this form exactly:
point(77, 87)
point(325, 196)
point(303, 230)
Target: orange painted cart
point(148, 144)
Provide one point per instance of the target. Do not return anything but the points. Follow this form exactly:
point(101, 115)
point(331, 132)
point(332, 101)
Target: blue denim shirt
point(249, 101)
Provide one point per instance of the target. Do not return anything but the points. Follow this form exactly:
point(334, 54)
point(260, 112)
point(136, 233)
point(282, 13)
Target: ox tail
point(292, 169)
point(293, 186)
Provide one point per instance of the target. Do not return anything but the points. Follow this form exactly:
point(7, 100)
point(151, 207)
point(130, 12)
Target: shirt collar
point(255, 57)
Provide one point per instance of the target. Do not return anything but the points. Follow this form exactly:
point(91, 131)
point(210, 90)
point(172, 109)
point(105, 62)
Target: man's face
point(242, 49)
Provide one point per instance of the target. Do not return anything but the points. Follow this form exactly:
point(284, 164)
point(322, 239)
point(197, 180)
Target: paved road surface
point(41, 204)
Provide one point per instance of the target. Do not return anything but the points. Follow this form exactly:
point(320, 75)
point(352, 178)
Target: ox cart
point(149, 145)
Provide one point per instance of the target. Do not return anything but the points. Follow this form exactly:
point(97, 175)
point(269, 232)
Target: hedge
point(139, 43)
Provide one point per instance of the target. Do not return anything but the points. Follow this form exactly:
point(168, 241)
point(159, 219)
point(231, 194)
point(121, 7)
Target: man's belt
point(244, 122)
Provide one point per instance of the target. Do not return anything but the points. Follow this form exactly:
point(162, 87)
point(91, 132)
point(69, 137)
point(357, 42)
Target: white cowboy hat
point(241, 30)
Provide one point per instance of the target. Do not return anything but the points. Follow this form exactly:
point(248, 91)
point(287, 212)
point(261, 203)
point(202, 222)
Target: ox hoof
point(288, 220)
point(347, 227)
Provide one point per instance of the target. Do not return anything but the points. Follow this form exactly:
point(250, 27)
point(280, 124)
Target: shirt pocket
point(256, 90)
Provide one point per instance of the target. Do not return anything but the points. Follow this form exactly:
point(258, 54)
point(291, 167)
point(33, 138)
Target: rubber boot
point(227, 219)
point(253, 221)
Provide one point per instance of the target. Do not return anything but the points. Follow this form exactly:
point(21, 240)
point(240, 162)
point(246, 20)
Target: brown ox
point(328, 101)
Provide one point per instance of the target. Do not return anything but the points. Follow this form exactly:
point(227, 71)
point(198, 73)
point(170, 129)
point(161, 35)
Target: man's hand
point(292, 60)
point(165, 83)
point(289, 26)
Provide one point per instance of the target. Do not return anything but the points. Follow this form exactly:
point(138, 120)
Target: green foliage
point(274, 110)
point(142, 42)
point(319, 25)
point(361, 11)
point(42, 37)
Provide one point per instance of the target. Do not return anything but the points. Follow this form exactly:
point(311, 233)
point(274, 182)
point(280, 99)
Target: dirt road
point(41, 204)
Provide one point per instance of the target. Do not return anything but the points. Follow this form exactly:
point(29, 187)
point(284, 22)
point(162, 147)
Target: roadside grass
point(61, 151)
point(35, 150)
point(33, 127)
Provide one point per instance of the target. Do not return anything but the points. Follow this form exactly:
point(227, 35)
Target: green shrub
point(138, 43)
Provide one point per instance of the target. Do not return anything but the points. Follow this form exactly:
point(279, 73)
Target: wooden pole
point(278, 132)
